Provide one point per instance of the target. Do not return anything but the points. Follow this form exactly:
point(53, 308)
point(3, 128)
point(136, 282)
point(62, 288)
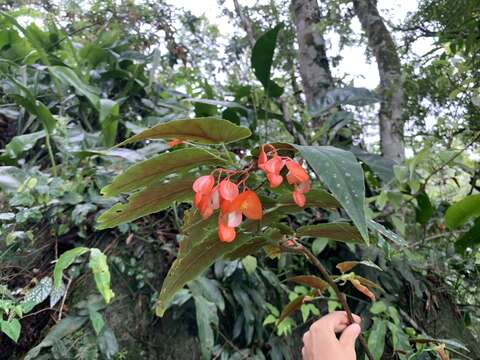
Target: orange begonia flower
point(228, 190)
point(248, 204)
point(299, 198)
point(296, 173)
point(204, 184)
point(226, 233)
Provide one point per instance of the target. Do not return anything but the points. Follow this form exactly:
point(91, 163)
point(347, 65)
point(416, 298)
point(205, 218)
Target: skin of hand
point(321, 343)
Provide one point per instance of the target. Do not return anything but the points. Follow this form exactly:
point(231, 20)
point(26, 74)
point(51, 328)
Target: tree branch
point(300, 249)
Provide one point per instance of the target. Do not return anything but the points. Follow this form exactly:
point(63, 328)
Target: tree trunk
point(312, 57)
point(391, 82)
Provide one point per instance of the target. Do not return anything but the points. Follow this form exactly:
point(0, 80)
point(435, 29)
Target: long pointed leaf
point(205, 130)
point(156, 168)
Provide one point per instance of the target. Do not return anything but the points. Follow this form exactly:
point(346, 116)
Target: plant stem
point(50, 152)
point(300, 249)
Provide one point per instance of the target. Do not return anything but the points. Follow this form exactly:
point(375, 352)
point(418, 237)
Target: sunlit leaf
point(156, 168)
point(343, 175)
point(201, 130)
point(11, 328)
point(64, 261)
point(470, 239)
point(153, 199)
point(459, 213)
point(101, 273)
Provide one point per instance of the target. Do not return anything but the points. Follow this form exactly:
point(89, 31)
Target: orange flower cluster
point(296, 176)
point(232, 204)
point(225, 195)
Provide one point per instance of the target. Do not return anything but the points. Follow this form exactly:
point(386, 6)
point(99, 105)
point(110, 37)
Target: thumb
point(349, 335)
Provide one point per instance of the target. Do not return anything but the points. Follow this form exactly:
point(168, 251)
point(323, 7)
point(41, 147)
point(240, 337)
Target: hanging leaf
point(459, 213)
point(107, 343)
point(101, 274)
point(64, 327)
point(342, 96)
point(20, 144)
point(293, 306)
point(109, 112)
point(470, 239)
point(335, 231)
point(38, 109)
point(68, 77)
point(376, 338)
point(262, 59)
point(97, 321)
point(153, 199)
point(343, 175)
point(424, 209)
point(11, 328)
point(64, 261)
point(156, 168)
point(349, 265)
point(379, 228)
point(363, 289)
point(206, 314)
point(382, 167)
point(201, 130)
point(310, 280)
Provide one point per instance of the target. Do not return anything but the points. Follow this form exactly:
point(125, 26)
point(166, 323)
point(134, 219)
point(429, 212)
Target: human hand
point(321, 343)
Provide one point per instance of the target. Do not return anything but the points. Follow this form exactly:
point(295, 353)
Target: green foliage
point(262, 59)
point(343, 175)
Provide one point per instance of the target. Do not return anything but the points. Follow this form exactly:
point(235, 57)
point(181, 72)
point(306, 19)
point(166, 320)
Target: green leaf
point(262, 59)
point(22, 143)
point(376, 338)
point(470, 239)
point(424, 210)
point(107, 343)
point(64, 327)
point(97, 321)
point(205, 130)
point(11, 328)
point(335, 231)
point(206, 314)
point(156, 168)
point(249, 263)
point(154, 198)
point(379, 228)
point(342, 96)
point(108, 116)
point(459, 213)
point(382, 167)
point(343, 175)
point(200, 246)
point(38, 109)
point(291, 307)
point(319, 245)
point(38, 294)
point(63, 262)
point(378, 307)
point(68, 77)
point(101, 273)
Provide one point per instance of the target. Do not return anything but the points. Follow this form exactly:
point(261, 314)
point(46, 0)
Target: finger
point(357, 318)
point(306, 338)
point(349, 335)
